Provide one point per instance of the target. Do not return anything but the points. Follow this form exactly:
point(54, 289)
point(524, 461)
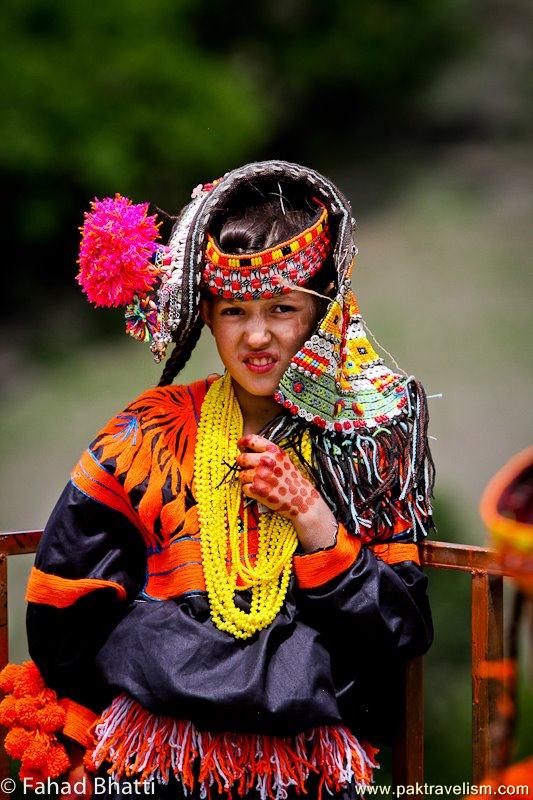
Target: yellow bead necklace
point(219, 501)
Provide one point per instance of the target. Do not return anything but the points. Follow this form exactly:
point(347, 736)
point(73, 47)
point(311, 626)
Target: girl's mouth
point(261, 364)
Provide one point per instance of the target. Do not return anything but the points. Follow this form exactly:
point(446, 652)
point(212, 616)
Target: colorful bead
point(337, 380)
point(264, 274)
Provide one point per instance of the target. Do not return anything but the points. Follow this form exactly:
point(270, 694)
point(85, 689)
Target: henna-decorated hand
point(269, 476)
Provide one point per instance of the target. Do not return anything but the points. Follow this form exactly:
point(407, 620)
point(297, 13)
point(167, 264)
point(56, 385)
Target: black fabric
point(83, 539)
point(373, 618)
point(63, 643)
point(173, 660)
point(333, 653)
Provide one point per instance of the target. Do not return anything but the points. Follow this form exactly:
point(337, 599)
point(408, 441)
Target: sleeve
point(89, 567)
point(367, 593)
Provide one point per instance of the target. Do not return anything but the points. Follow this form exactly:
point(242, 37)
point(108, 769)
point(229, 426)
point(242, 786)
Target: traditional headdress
point(368, 424)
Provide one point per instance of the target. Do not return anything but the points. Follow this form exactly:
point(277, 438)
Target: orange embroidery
point(91, 478)
point(152, 444)
point(52, 590)
point(78, 721)
point(316, 569)
point(176, 569)
point(184, 578)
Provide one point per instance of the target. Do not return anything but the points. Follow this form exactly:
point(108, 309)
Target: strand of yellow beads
point(223, 532)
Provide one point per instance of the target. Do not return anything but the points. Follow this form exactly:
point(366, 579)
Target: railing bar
point(529, 624)
point(480, 695)
point(496, 654)
point(408, 747)
point(446, 555)
point(19, 543)
point(463, 568)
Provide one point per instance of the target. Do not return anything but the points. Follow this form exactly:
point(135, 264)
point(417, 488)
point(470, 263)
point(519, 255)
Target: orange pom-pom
point(36, 753)
point(28, 681)
point(48, 696)
point(8, 675)
point(27, 708)
point(57, 761)
point(51, 718)
point(32, 776)
point(16, 742)
point(8, 711)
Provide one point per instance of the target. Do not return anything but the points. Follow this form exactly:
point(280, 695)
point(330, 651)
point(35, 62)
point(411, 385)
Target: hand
point(269, 476)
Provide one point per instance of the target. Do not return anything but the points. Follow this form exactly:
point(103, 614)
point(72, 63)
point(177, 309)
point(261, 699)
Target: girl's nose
point(258, 334)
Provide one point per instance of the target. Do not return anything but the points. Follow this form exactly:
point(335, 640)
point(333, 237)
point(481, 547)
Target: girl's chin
point(257, 385)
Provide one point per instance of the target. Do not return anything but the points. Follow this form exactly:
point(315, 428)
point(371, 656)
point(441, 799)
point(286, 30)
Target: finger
point(256, 443)
point(260, 476)
point(266, 494)
point(247, 490)
point(247, 476)
point(247, 460)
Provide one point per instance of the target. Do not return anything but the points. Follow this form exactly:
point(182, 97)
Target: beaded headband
point(276, 270)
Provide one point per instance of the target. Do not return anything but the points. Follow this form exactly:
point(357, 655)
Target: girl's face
point(256, 339)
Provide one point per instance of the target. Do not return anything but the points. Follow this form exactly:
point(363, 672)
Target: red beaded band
point(273, 255)
point(261, 275)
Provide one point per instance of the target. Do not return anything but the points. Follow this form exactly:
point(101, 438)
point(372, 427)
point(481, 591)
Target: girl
point(228, 586)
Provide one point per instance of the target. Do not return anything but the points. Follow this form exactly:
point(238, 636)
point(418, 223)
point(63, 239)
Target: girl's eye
point(230, 311)
point(283, 309)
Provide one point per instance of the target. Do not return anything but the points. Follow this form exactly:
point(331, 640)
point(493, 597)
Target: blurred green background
point(420, 110)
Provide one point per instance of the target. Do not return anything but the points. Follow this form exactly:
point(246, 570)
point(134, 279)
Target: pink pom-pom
point(118, 240)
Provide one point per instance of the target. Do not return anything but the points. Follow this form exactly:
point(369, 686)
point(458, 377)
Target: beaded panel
point(267, 273)
point(337, 380)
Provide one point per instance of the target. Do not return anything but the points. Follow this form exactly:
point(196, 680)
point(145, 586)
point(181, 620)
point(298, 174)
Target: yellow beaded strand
point(219, 502)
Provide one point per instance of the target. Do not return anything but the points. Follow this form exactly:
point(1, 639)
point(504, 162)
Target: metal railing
point(408, 749)
point(487, 639)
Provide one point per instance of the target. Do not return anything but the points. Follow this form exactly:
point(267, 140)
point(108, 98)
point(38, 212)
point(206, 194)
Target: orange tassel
point(134, 742)
point(7, 677)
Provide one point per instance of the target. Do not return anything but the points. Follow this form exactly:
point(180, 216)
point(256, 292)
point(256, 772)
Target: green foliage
point(378, 51)
point(112, 94)
point(148, 99)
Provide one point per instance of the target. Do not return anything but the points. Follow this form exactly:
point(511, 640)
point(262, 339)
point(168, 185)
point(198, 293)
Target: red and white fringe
point(150, 747)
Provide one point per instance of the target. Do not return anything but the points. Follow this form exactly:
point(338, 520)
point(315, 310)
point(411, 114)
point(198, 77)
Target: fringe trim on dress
point(150, 747)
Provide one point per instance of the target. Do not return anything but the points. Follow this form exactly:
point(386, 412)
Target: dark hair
point(262, 225)
point(269, 223)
